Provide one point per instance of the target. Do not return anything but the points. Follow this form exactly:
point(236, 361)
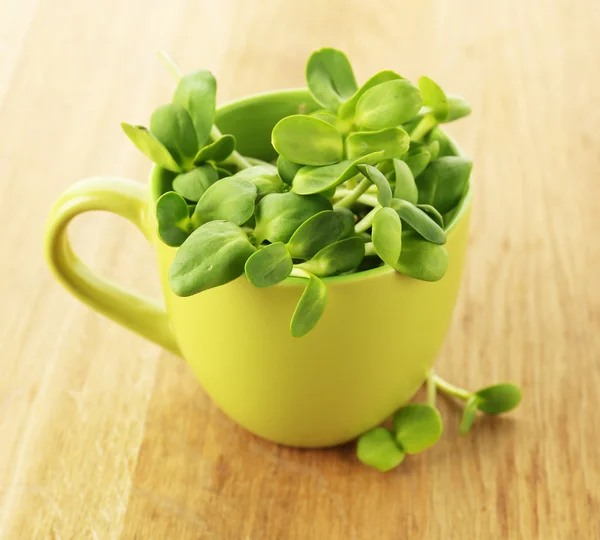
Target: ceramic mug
point(366, 357)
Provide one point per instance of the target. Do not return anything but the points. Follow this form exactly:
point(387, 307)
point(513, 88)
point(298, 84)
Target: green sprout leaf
point(264, 178)
point(421, 259)
point(434, 98)
point(433, 147)
point(446, 146)
point(307, 140)
point(387, 235)
point(469, 415)
point(405, 187)
point(388, 104)
point(222, 172)
point(393, 142)
point(499, 398)
point(348, 108)
point(417, 162)
point(269, 265)
point(214, 254)
point(432, 213)
point(330, 78)
point(384, 191)
point(194, 183)
point(172, 214)
point(231, 199)
point(377, 448)
point(458, 107)
point(278, 215)
point(343, 126)
point(217, 151)
point(444, 181)
point(150, 146)
point(172, 126)
point(417, 426)
point(318, 179)
point(310, 308)
point(287, 169)
point(348, 221)
point(315, 233)
point(337, 258)
point(420, 221)
point(197, 94)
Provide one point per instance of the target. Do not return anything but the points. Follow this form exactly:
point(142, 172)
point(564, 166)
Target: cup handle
point(127, 199)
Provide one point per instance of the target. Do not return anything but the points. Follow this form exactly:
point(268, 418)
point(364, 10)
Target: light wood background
point(103, 435)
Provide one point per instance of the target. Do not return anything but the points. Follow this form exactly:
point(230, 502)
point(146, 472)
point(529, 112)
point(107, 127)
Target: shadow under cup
point(366, 357)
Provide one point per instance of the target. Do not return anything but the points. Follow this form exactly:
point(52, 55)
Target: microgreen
point(378, 449)
point(269, 265)
point(417, 427)
point(308, 140)
point(404, 182)
point(194, 183)
point(358, 177)
point(172, 214)
point(217, 151)
point(311, 306)
point(421, 259)
point(387, 235)
point(420, 221)
point(315, 233)
point(317, 179)
point(444, 181)
point(417, 162)
point(230, 199)
point(384, 191)
point(172, 126)
point(266, 179)
point(348, 108)
point(196, 93)
point(388, 104)
point(330, 78)
point(287, 169)
point(278, 215)
point(336, 258)
point(151, 146)
point(392, 141)
point(214, 254)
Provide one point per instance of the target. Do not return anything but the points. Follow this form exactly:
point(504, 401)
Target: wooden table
point(105, 436)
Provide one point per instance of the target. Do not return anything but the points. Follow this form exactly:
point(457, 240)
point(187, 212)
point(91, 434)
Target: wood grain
point(105, 436)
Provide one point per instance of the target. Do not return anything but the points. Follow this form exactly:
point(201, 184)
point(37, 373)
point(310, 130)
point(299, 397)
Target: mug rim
point(385, 269)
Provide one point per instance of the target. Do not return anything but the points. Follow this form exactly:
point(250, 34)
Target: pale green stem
point(431, 388)
point(427, 123)
point(369, 249)
point(235, 158)
point(353, 196)
point(298, 272)
point(366, 222)
point(450, 389)
point(171, 66)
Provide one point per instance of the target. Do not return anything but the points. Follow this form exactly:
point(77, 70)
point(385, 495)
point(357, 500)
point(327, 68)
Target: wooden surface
point(103, 435)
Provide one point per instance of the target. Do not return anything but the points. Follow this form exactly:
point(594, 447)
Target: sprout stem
point(353, 196)
point(366, 222)
point(369, 249)
point(235, 158)
point(171, 66)
point(431, 388)
point(450, 389)
point(427, 123)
